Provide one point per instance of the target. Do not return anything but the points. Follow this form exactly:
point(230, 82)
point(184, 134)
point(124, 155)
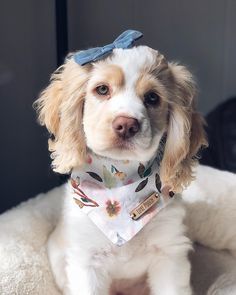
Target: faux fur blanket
point(24, 267)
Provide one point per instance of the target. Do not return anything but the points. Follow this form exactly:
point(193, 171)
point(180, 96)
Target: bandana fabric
point(125, 40)
point(108, 191)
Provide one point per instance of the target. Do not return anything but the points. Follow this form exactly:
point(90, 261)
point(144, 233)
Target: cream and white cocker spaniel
point(126, 128)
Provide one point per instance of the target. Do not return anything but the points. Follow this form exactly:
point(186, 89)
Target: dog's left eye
point(151, 98)
point(102, 90)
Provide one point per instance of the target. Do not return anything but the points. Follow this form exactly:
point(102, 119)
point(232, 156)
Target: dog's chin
point(128, 150)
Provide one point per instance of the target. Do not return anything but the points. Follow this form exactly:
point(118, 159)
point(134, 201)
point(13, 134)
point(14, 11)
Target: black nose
point(125, 127)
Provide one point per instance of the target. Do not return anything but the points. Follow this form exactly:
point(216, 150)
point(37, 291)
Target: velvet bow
point(125, 40)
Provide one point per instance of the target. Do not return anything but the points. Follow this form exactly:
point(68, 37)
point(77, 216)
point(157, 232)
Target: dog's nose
point(125, 127)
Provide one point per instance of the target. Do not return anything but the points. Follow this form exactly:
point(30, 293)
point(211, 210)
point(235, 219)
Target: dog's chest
point(128, 261)
point(133, 258)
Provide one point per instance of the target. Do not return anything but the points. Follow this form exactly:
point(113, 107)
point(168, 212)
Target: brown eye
point(151, 98)
point(102, 90)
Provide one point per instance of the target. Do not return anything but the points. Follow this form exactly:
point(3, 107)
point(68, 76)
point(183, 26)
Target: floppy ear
point(185, 134)
point(60, 108)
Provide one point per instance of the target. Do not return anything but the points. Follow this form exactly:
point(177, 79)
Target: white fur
point(211, 209)
point(93, 262)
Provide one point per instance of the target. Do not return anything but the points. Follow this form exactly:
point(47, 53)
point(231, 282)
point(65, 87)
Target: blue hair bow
point(125, 40)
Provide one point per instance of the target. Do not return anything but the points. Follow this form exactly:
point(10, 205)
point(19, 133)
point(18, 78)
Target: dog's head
point(120, 107)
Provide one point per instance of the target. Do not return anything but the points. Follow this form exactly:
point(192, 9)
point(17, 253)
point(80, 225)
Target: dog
point(130, 106)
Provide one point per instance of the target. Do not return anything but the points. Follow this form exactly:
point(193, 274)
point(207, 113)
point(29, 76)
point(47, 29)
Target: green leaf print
point(114, 169)
point(147, 172)
point(109, 179)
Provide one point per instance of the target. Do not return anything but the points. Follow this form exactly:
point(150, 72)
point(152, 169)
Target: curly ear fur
point(57, 103)
point(185, 134)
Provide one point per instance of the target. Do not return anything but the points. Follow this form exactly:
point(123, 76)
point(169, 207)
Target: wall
point(200, 34)
point(27, 57)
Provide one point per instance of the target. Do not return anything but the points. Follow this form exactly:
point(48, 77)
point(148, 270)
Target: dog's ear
point(185, 134)
point(60, 108)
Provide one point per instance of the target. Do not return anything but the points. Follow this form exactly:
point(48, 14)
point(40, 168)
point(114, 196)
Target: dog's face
point(120, 107)
point(125, 109)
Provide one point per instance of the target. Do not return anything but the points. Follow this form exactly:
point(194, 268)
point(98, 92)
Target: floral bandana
point(120, 197)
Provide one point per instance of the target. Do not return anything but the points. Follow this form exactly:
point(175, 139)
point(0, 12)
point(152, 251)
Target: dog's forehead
point(140, 55)
point(133, 60)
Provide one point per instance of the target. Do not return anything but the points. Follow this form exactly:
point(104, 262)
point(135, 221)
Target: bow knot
point(125, 40)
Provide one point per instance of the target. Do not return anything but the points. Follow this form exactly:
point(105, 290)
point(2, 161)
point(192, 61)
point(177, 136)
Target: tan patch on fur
point(150, 78)
point(150, 81)
point(145, 83)
point(114, 75)
point(159, 66)
point(110, 75)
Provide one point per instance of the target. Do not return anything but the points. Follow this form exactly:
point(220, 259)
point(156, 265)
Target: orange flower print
point(112, 208)
point(120, 175)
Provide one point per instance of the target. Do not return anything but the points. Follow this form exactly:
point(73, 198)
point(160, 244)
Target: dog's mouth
point(123, 144)
point(141, 147)
point(127, 150)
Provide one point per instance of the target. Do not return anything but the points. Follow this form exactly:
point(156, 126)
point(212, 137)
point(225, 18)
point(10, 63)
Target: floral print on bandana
point(107, 191)
point(112, 208)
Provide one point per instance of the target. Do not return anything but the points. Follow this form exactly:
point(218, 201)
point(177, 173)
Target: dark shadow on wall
point(221, 131)
point(27, 58)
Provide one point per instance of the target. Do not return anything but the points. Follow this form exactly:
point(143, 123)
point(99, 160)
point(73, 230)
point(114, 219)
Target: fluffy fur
point(211, 209)
point(83, 260)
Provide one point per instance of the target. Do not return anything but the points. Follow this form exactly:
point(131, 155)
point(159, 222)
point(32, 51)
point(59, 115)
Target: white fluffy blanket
point(24, 267)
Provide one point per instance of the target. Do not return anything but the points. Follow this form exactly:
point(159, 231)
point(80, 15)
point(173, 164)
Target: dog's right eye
point(151, 98)
point(102, 90)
